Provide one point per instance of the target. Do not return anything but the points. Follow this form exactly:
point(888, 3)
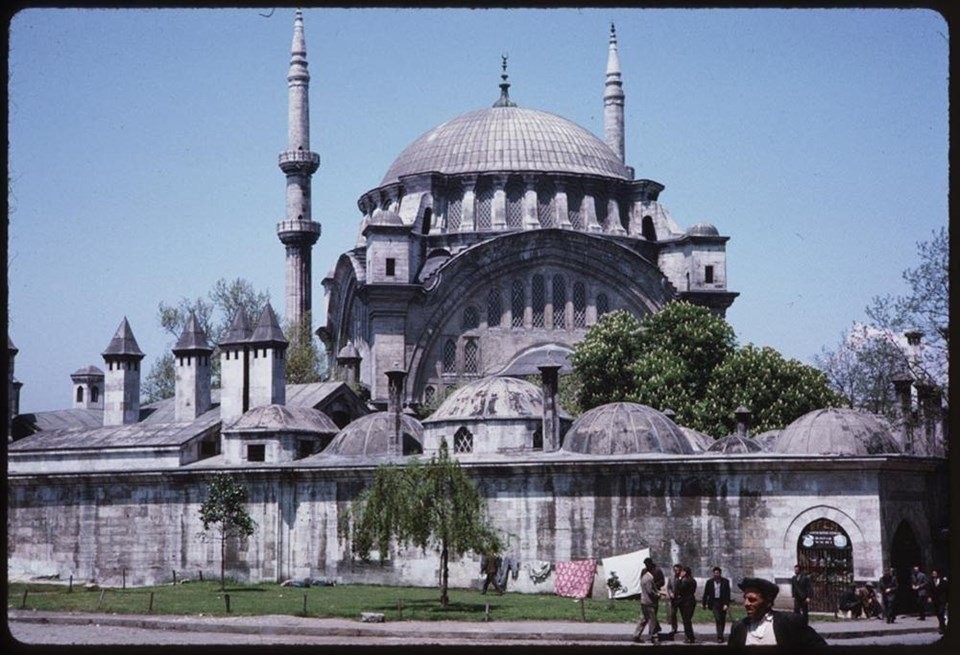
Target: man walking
point(938, 596)
point(920, 582)
point(649, 603)
point(672, 596)
point(686, 601)
point(489, 565)
point(888, 591)
point(801, 589)
point(716, 596)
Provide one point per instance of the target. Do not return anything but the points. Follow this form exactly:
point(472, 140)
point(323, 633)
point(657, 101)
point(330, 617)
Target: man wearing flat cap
point(765, 626)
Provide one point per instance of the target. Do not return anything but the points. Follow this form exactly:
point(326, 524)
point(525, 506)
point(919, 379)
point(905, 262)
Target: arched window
point(647, 230)
point(428, 393)
point(79, 394)
point(471, 318)
point(484, 215)
point(546, 205)
point(463, 441)
point(471, 357)
point(514, 204)
point(449, 356)
point(574, 215)
point(537, 300)
point(94, 394)
point(454, 208)
point(603, 305)
point(825, 553)
point(427, 221)
point(559, 302)
point(517, 304)
point(494, 308)
point(579, 305)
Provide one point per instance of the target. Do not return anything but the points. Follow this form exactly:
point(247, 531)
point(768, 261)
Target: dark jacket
point(710, 595)
point(685, 594)
point(791, 633)
point(800, 586)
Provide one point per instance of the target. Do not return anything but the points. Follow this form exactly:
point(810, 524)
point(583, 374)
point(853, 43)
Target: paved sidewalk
point(569, 631)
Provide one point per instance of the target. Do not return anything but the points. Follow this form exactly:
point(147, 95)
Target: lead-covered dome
point(626, 429)
point(507, 139)
point(369, 436)
point(492, 398)
point(734, 444)
point(836, 432)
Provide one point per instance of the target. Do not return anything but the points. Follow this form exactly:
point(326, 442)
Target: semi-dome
point(501, 139)
point(836, 432)
point(368, 436)
point(626, 429)
point(492, 398)
point(282, 418)
point(734, 444)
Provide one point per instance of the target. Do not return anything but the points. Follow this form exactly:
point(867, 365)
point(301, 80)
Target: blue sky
point(143, 146)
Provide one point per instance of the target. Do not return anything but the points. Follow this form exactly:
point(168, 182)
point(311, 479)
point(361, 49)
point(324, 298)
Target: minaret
point(613, 100)
point(192, 363)
point(121, 403)
point(298, 232)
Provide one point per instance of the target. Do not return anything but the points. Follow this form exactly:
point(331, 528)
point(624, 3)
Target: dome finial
point(504, 99)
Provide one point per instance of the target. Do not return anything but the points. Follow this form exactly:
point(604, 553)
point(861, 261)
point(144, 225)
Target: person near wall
point(850, 602)
point(939, 592)
point(686, 601)
point(888, 592)
point(649, 603)
point(765, 626)
point(919, 581)
point(672, 596)
point(716, 597)
point(489, 567)
point(801, 588)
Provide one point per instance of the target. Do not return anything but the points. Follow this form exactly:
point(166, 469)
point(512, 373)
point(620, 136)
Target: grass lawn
point(347, 601)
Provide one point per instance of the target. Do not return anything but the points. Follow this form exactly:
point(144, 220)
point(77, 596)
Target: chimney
point(348, 361)
point(551, 420)
point(742, 416)
point(395, 378)
point(192, 363)
point(903, 385)
point(122, 357)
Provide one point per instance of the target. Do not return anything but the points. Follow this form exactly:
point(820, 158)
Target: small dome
point(87, 371)
point(491, 398)
point(368, 436)
point(735, 445)
point(385, 217)
point(703, 230)
point(507, 139)
point(836, 432)
point(349, 351)
point(766, 439)
point(697, 440)
point(281, 418)
point(626, 429)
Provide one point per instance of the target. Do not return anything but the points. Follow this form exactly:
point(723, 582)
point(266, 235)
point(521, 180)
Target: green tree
point(602, 360)
point(160, 382)
point(776, 390)
point(305, 362)
point(225, 512)
point(432, 505)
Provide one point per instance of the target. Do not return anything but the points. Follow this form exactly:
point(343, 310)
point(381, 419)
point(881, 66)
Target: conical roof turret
point(193, 338)
point(123, 343)
point(239, 331)
point(268, 329)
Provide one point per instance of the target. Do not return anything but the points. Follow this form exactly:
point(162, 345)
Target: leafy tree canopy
point(225, 512)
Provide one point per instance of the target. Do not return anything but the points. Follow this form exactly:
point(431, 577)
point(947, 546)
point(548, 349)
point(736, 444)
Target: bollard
point(150, 609)
point(174, 576)
point(70, 586)
point(583, 612)
point(201, 574)
point(124, 573)
point(226, 599)
point(23, 603)
point(100, 600)
point(304, 604)
point(486, 612)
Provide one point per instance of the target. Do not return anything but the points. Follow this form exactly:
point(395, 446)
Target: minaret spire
point(613, 97)
point(504, 99)
point(298, 232)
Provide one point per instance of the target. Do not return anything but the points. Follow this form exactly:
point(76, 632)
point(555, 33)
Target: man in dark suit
point(801, 589)
point(888, 591)
point(764, 626)
point(716, 596)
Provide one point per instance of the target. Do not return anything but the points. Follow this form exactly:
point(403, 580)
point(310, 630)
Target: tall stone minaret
point(298, 232)
point(613, 100)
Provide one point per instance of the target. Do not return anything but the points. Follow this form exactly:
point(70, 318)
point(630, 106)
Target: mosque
point(487, 250)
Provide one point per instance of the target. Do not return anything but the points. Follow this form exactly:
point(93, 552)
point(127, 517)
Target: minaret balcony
point(298, 232)
point(303, 162)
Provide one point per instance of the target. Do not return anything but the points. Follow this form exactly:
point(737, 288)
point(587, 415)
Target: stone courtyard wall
point(743, 514)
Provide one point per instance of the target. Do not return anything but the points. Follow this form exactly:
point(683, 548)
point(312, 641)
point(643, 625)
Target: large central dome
point(507, 139)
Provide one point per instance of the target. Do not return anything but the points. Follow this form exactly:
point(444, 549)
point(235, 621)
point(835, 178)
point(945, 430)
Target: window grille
point(471, 318)
point(471, 357)
point(494, 308)
point(603, 304)
point(538, 300)
point(454, 210)
point(463, 441)
point(574, 200)
point(517, 304)
point(428, 395)
point(449, 356)
point(484, 220)
point(559, 302)
point(514, 205)
point(546, 205)
point(579, 305)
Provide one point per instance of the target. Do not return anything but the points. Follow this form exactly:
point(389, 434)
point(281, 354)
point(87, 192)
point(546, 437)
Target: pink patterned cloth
point(574, 579)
